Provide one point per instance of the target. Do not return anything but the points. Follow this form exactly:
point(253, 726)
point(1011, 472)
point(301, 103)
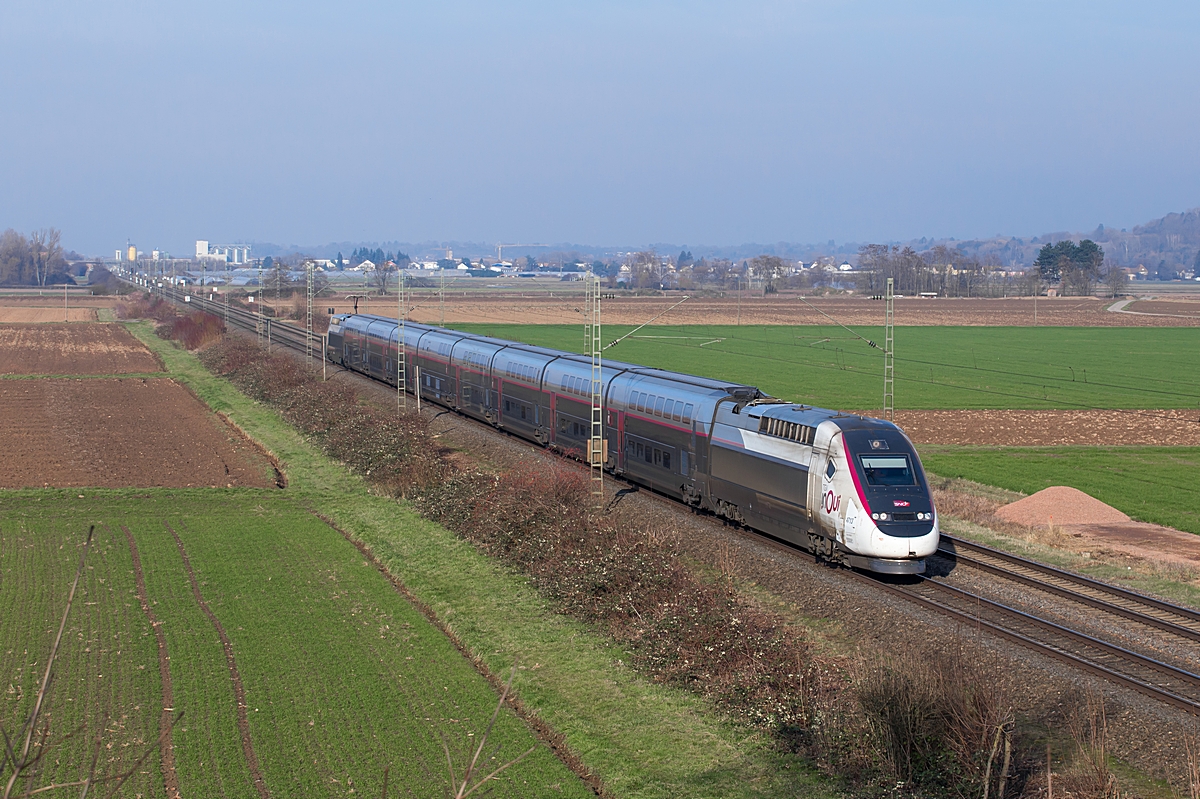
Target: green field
point(343, 676)
point(1150, 484)
point(935, 367)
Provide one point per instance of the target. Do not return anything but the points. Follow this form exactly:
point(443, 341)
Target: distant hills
point(1172, 243)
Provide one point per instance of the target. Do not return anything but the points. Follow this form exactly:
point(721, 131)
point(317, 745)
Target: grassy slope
point(936, 367)
point(641, 739)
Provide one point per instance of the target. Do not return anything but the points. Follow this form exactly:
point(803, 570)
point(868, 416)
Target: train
point(846, 487)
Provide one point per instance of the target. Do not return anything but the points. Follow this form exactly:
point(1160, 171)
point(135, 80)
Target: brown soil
point(116, 433)
point(1068, 505)
point(58, 349)
point(781, 309)
point(239, 691)
point(44, 315)
point(1181, 307)
point(165, 723)
point(1149, 428)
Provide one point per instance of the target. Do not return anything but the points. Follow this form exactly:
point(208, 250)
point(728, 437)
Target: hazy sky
point(593, 122)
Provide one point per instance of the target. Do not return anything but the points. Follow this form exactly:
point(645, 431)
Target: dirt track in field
point(1149, 428)
point(116, 433)
point(58, 349)
point(512, 307)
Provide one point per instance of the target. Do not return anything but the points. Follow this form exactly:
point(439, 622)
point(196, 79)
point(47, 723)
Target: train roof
point(738, 390)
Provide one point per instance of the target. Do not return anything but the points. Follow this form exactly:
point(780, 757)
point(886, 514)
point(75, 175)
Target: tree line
point(36, 260)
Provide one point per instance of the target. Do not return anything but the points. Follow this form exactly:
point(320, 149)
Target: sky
point(598, 122)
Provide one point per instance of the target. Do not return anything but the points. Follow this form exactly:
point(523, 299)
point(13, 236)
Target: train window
point(830, 470)
point(466, 394)
point(887, 470)
point(658, 457)
point(658, 406)
point(649, 454)
point(666, 460)
point(566, 378)
point(678, 415)
point(638, 449)
point(641, 402)
point(687, 413)
point(667, 408)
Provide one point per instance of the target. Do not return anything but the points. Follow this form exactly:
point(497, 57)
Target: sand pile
point(1060, 505)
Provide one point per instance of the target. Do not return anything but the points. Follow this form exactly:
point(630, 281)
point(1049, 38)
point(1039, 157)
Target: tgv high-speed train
point(848, 488)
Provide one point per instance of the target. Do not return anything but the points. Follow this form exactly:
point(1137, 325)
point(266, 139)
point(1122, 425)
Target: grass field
point(343, 676)
point(936, 367)
point(1151, 484)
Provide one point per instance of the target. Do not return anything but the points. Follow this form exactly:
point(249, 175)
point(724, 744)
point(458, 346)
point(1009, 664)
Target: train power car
point(848, 488)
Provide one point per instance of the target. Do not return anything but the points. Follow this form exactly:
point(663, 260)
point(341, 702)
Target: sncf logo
point(900, 503)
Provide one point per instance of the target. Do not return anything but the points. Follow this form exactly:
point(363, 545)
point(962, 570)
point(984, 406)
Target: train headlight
point(883, 517)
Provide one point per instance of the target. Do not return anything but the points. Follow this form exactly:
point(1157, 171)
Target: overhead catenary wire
point(975, 389)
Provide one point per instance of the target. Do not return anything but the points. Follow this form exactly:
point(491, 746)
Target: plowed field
point(44, 315)
point(99, 349)
point(564, 308)
point(119, 433)
point(1019, 428)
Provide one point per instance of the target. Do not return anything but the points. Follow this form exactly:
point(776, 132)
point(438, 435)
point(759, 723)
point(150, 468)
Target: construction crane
point(500, 248)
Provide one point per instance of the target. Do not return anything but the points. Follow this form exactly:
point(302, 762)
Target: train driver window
point(887, 470)
point(830, 469)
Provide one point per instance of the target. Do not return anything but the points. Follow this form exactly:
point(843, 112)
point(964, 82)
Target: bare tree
point(381, 276)
point(768, 269)
point(45, 252)
point(644, 269)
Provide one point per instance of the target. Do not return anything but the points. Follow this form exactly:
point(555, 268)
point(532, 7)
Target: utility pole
point(889, 397)
point(596, 444)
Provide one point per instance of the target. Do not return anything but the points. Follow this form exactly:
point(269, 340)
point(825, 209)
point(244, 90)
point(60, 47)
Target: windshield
point(887, 470)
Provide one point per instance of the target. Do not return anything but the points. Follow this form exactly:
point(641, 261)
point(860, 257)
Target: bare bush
point(940, 721)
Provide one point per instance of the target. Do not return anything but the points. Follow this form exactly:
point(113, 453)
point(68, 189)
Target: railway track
point(1153, 678)
point(1179, 621)
point(1148, 676)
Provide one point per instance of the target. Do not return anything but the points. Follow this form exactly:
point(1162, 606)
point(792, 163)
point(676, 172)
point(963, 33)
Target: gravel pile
point(1060, 505)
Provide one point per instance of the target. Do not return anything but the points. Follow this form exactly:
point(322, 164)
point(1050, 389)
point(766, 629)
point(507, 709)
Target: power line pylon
point(308, 327)
point(259, 319)
point(889, 396)
point(401, 347)
point(596, 442)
